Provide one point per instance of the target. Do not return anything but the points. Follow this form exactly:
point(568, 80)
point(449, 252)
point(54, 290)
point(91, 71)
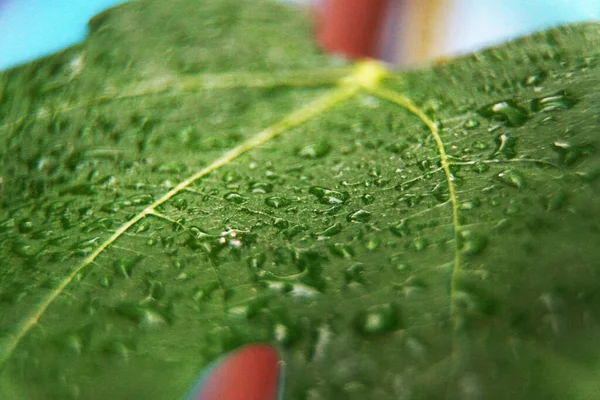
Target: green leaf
point(196, 176)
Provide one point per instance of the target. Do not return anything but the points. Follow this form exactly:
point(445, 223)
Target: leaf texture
point(196, 176)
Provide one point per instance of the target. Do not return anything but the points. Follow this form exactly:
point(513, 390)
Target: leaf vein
point(364, 75)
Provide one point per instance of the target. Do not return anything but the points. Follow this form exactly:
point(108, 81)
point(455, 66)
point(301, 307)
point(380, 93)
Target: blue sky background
point(478, 23)
point(32, 28)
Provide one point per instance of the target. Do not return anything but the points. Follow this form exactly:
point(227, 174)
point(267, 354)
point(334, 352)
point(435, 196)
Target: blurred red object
point(249, 373)
point(350, 27)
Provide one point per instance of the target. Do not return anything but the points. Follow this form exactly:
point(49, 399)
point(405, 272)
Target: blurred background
point(409, 32)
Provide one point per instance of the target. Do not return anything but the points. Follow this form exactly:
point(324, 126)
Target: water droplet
point(397, 148)
point(471, 123)
point(277, 202)
point(480, 167)
point(375, 172)
point(342, 250)
point(139, 200)
point(367, 198)
point(86, 246)
point(316, 150)
point(106, 281)
point(471, 242)
point(412, 286)
point(412, 200)
point(506, 111)
point(401, 229)
point(505, 146)
point(555, 200)
point(416, 348)
point(180, 204)
point(471, 387)
point(479, 145)
point(358, 216)
point(73, 344)
point(117, 348)
point(125, 266)
point(231, 177)
point(285, 333)
point(535, 79)
point(470, 204)
point(280, 223)
point(330, 231)
point(378, 319)
point(25, 225)
point(558, 101)
point(146, 318)
point(155, 289)
point(235, 198)
point(552, 303)
point(420, 244)
point(243, 312)
point(569, 154)
point(328, 196)
point(294, 230)
point(261, 187)
point(355, 274)
point(441, 193)
point(303, 291)
point(512, 178)
point(371, 244)
point(257, 261)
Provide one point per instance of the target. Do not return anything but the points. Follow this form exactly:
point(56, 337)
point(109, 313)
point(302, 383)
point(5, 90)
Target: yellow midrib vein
point(365, 75)
point(405, 103)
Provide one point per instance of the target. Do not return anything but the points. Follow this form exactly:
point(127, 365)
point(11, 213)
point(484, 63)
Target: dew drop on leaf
point(471, 242)
point(257, 261)
point(316, 150)
point(261, 187)
point(420, 244)
point(470, 204)
point(378, 319)
point(471, 123)
point(479, 167)
point(124, 267)
point(285, 333)
point(146, 318)
point(558, 101)
point(512, 178)
point(555, 201)
point(367, 198)
point(328, 196)
point(507, 111)
point(231, 177)
point(570, 153)
point(412, 286)
point(277, 202)
point(330, 230)
point(235, 198)
point(535, 79)
point(479, 145)
point(505, 146)
point(342, 250)
point(359, 216)
point(400, 229)
point(355, 274)
point(25, 226)
point(372, 244)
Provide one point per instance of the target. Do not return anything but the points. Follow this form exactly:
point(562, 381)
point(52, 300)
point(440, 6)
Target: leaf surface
point(196, 176)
